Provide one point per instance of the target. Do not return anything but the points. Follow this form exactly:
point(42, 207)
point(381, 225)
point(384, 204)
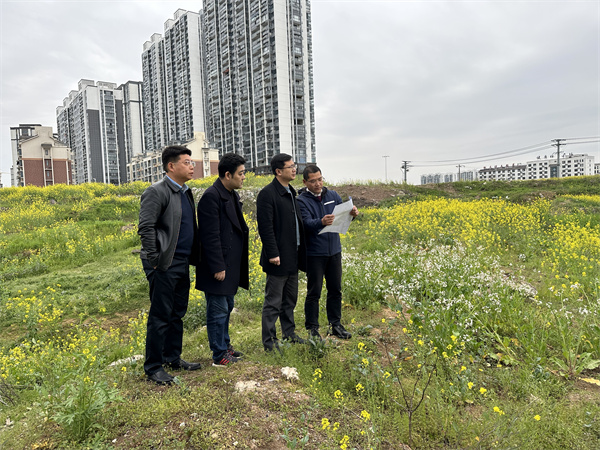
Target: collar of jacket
point(222, 190)
point(172, 185)
point(282, 190)
point(306, 193)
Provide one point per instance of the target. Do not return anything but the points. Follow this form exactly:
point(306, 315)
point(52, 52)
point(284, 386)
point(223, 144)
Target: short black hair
point(311, 168)
point(278, 161)
point(172, 154)
point(229, 162)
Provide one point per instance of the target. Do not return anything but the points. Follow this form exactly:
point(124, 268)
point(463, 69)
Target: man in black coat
point(168, 231)
point(283, 252)
point(224, 254)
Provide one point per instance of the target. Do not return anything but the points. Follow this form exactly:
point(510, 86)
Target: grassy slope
point(205, 411)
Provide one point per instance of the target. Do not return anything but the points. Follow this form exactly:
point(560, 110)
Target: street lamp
point(385, 157)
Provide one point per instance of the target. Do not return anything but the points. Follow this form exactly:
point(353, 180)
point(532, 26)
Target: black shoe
point(234, 352)
point(181, 364)
point(274, 346)
point(314, 334)
point(294, 339)
point(160, 377)
point(340, 331)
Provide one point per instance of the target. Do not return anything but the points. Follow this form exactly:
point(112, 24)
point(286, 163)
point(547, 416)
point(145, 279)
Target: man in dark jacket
point(283, 251)
point(324, 253)
point(168, 231)
point(224, 249)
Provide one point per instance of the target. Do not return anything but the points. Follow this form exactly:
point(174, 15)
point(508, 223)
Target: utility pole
point(557, 145)
point(405, 169)
point(459, 166)
point(385, 157)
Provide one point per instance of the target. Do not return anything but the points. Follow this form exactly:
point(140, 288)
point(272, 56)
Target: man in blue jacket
point(224, 254)
point(283, 251)
point(324, 253)
point(168, 231)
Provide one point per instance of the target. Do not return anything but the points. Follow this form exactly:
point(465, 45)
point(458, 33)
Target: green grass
point(432, 317)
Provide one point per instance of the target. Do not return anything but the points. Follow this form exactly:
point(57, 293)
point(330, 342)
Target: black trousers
point(281, 296)
point(169, 295)
point(318, 267)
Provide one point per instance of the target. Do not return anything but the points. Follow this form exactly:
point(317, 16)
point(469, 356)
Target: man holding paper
point(324, 252)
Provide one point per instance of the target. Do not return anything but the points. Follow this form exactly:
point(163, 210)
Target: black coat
point(277, 230)
point(224, 241)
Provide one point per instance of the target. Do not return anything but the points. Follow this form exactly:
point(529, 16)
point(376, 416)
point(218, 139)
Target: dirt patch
point(363, 196)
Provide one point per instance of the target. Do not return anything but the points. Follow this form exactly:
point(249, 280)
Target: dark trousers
point(218, 311)
point(329, 267)
point(169, 295)
point(281, 296)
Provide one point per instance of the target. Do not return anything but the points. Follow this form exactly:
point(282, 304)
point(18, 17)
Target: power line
point(527, 149)
point(516, 152)
point(592, 137)
point(481, 158)
point(586, 142)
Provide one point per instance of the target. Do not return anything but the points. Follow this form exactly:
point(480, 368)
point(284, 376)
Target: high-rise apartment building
point(92, 123)
point(259, 88)
point(133, 123)
point(39, 158)
point(173, 84)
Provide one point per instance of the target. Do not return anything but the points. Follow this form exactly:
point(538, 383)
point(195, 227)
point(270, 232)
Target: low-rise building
point(39, 158)
point(149, 167)
point(571, 165)
point(505, 173)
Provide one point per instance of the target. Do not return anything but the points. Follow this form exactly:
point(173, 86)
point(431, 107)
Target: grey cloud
point(415, 80)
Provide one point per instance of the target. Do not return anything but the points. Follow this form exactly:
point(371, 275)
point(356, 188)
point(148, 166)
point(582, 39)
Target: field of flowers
point(476, 325)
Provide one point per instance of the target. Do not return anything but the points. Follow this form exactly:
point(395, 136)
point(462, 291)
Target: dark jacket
point(277, 230)
point(224, 241)
point(160, 220)
point(313, 210)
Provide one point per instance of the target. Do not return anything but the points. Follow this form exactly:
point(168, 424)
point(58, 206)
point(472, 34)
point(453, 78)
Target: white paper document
point(342, 219)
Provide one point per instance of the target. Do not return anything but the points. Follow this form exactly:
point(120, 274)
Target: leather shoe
point(314, 334)
point(181, 364)
point(161, 377)
point(294, 339)
point(340, 331)
point(274, 346)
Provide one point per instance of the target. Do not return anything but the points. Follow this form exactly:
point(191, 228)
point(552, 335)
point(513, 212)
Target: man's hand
point(327, 220)
point(275, 261)
point(354, 211)
point(220, 276)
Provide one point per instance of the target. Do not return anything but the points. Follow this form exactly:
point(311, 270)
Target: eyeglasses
point(293, 166)
point(188, 162)
point(316, 180)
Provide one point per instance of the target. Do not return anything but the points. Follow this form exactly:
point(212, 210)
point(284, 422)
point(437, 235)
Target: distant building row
point(571, 165)
point(236, 77)
point(41, 159)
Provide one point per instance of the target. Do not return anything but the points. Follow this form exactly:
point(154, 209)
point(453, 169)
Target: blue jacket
point(313, 210)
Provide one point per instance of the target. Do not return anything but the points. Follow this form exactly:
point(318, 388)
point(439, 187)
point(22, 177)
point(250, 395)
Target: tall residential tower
point(173, 86)
point(259, 88)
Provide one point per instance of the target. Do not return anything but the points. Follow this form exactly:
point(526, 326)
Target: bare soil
point(363, 195)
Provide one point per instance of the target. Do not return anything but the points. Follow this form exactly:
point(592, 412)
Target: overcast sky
point(414, 80)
